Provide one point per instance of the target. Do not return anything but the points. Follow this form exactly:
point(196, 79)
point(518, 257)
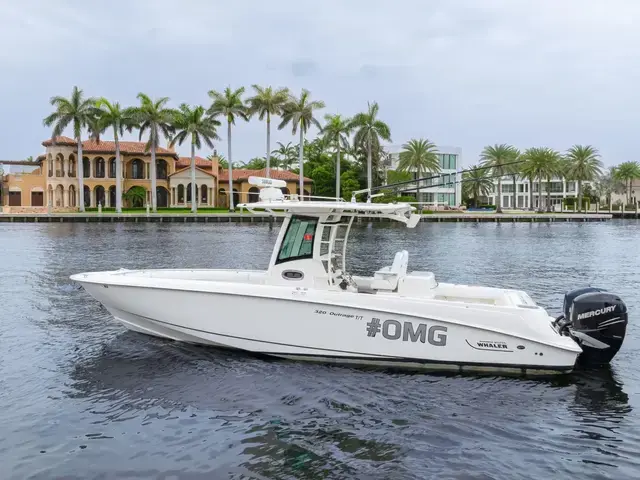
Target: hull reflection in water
point(277, 417)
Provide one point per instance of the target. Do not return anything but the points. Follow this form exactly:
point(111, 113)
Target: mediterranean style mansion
point(50, 182)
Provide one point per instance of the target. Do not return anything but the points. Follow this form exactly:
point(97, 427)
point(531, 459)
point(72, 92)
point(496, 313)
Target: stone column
point(65, 197)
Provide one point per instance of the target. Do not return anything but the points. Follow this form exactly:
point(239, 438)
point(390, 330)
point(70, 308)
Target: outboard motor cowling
point(597, 321)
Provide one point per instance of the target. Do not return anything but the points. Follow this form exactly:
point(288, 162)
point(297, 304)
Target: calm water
point(82, 398)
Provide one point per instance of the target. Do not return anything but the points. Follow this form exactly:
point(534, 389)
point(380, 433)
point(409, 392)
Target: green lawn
point(163, 211)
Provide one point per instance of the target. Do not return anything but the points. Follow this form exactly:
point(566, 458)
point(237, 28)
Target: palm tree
point(495, 157)
point(532, 168)
point(197, 126)
point(158, 120)
point(583, 164)
point(264, 103)
point(230, 105)
point(554, 166)
point(609, 183)
point(540, 163)
point(476, 183)
point(369, 132)
point(286, 154)
point(80, 112)
point(299, 113)
point(626, 172)
point(514, 169)
point(336, 133)
point(419, 156)
point(136, 196)
point(111, 115)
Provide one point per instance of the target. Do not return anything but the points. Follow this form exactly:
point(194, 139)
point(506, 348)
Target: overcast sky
point(465, 73)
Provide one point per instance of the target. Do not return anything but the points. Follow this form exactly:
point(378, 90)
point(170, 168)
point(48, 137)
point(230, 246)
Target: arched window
point(162, 197)
point(100, 195)
point(59, 165)
point(72, 167)
point(137, 169)
point(99, 167)
point(161, 169)
point(204, 192)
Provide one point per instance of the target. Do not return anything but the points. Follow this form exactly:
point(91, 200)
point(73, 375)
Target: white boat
point(306, 306)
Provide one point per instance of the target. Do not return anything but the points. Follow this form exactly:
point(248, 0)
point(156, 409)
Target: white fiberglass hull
point(334, 326)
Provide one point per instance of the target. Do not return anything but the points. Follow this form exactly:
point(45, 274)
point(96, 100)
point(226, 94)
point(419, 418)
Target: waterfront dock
point(263, 217)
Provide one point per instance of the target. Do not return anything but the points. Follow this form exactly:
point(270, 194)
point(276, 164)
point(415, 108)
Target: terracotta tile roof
point(105, 146)
point(240, 174)
point(59, 141)
point(186, 162)
point(90, 146)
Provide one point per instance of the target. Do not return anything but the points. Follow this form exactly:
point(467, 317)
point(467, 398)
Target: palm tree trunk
point(515, 196)
point(231, 206)
point(80, 171)
point(499, 199)
point(369, 167)
point(338, 171)
point(194, 195)
point(154, 193)
point(548, 194)
point(118, 173)
point(268, 145)
point(300, 160)
point(579, 196)
point(531, 180)
point(540, 194)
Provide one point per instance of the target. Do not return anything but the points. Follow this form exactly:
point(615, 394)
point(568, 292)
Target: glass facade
point(442, 189)
point(447, 198)
point(447, 161)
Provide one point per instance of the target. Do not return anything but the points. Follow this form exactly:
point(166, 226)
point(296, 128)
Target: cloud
point(460, 72)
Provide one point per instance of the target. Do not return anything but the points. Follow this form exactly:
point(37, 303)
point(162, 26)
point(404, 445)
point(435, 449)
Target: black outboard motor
point(597, 321)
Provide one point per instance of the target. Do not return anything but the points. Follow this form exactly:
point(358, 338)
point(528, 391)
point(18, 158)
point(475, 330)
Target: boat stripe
point(364, 356)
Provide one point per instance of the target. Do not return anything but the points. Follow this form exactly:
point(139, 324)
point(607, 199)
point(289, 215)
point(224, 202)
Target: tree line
point(580, 163)
point(346, 155)
point(199, 126)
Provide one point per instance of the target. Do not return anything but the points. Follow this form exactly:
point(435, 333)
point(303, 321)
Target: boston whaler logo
point(595, 313)
point(491, 345)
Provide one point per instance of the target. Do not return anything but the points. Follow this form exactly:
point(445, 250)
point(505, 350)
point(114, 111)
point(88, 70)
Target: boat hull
point(296, 324)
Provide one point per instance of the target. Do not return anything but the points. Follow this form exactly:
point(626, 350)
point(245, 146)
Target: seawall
point(258, 217)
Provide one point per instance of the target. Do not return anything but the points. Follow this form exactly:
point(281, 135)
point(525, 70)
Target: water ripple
point(83, 398)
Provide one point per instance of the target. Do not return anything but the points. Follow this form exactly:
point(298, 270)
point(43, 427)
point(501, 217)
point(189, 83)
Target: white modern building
point(560, 189)
point(445, 188)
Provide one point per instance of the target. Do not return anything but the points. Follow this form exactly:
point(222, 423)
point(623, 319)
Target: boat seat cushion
point(387, 277)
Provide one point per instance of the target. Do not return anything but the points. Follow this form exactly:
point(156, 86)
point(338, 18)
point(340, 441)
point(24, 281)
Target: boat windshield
point(298, 239)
